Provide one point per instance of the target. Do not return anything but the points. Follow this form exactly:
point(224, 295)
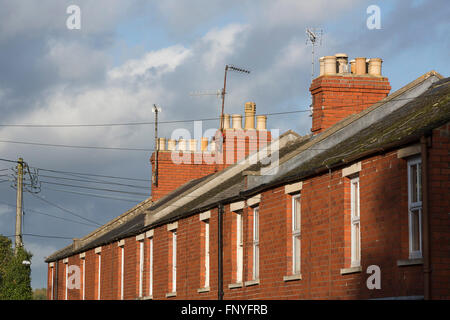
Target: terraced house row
point(358, 209)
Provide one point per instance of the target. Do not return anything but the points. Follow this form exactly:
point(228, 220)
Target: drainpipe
point(425, 217)
point(220, 251)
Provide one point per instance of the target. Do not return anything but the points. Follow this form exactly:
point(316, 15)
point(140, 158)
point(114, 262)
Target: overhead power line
point(94, 195)
point(49, 215)
point(65, 210)
point(94, 181)
point(181, 121)
point(93, 188)
point(91, 174)
point(42, 236)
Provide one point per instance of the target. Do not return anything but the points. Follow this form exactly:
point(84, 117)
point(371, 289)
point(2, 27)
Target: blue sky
point(129, 55)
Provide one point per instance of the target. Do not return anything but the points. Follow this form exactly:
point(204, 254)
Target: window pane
point(296, 258)
point(296, 210)
point(355, 200)
point(419, 185)
point(413, 185)
point(415, 230)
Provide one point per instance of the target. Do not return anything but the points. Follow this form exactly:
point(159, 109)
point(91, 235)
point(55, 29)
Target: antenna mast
point(231, 68)
point(313, 36)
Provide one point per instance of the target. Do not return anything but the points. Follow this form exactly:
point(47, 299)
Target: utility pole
point(18, 234)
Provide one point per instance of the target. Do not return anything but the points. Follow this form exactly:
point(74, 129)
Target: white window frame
point(239, 247)
point(413, 206)
point(355, 219)
point(174, 261)
point(99, 275)
point(141, 267)
point(296, 235)
point(84, 279)
point(207, 266)
point(255, 271)
point(51, 283)
point(122, 267)
point(150, 287)
point(67, 279)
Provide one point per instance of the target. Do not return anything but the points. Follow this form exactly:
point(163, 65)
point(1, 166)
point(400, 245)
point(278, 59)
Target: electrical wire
point(65, 210)
point(91, 174)
point(190, 120)
point(41, 236)
point(93, 195)
point(94, 181)
point(49, 215)
point(92, 188)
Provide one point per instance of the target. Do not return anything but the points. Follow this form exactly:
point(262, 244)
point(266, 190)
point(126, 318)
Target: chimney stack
point(339, 93)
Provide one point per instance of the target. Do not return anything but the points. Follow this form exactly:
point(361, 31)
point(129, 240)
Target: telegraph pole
point(18, 234)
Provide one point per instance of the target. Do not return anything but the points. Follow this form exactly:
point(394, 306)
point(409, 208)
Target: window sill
point(171, 294)
point(351, 270)
point(201, 290)
point(145, 298)
point(293, 277)
point(409, 262)
point(251, 283)
point(235, 285)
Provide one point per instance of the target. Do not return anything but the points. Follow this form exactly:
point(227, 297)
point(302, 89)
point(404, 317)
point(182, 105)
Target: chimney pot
point(171, 144)
point(375, 67)
point(193, 145)
point(261, 122)
point(204, 144)
point(161, 144)
point(352, 66)
point(342, 62)
point(322, 66)
point(181, 145)
point(212, 146)
point(360, 66)
point(329, 65)
point(237, 121)
point(226, 121)
point(250, 109)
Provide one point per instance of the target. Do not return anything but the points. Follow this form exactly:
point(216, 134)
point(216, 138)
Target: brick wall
point(337, 97)
point(439, 212)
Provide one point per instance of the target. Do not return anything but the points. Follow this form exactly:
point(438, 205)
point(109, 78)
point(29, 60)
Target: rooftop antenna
point(156, 110)
point(313, 36)
point(231, 68)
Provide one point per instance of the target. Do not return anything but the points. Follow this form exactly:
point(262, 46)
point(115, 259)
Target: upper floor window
point(355, 223)
point(255, 243)
point(415, 207)
point(296, 234)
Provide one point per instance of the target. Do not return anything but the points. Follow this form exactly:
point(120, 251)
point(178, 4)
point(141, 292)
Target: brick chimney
point(341, 91)
point(182, 161)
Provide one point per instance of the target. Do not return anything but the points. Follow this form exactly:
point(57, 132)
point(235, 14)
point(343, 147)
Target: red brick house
point(359, 209)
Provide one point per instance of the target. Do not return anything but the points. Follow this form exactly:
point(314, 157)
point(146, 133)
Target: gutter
point(425, 217)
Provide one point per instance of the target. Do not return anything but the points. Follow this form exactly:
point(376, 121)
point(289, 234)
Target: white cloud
point(221, 43)
point(158, 62)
